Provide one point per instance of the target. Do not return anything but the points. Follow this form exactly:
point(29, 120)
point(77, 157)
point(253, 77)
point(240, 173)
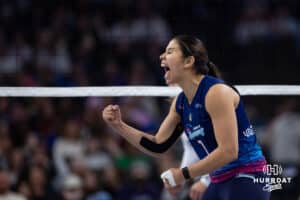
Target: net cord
point(151, 91)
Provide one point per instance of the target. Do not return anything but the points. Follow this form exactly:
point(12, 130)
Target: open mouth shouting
point(167, 71)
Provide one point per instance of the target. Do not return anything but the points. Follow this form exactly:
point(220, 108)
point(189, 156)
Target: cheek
point(174, 62)
point(176, 68)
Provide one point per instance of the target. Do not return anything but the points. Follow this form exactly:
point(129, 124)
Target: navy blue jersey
point(199, 129)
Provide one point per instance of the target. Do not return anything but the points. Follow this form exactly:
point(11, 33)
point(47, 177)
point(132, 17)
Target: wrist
point(186, 173)
point(120, 125)
point(117, 125)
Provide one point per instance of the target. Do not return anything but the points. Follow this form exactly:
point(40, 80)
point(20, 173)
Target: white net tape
point(155, 91)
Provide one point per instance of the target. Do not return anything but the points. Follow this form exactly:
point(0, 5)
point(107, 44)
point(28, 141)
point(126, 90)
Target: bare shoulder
point(221, 95)
point(220, 90)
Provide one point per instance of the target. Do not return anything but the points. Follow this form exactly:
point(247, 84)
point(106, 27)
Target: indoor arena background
point(49, 146)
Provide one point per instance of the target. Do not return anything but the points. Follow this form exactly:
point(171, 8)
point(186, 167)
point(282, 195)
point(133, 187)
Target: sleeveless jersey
point(199, 130)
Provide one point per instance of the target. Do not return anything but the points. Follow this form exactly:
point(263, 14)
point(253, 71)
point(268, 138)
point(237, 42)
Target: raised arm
point(150, 144)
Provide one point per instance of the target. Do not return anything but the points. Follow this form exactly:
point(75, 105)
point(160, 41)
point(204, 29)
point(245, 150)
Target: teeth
point(163, 65)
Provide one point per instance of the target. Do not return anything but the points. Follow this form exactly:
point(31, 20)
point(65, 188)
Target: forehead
point(173, 44)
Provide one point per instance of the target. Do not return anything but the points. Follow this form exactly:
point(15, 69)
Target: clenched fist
point(112, 115)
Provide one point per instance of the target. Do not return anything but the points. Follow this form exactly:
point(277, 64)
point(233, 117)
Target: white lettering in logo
point(273, 181)
point(248, 132)
point(196, 133)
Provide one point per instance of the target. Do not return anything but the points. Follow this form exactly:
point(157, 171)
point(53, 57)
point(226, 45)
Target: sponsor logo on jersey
point(248, 132)
point(198, 105)
point(195, 132)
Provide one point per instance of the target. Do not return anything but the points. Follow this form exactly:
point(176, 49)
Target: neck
point(190, 86)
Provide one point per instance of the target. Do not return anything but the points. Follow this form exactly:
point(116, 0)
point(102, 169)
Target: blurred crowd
point(59, 148)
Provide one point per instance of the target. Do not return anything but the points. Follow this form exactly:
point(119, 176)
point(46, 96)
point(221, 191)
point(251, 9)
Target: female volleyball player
point(213, 117)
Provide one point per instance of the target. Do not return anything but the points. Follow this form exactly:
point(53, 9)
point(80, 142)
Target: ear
point(189, 62)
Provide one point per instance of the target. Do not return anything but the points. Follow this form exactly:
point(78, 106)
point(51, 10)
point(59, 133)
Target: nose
point(162, 56)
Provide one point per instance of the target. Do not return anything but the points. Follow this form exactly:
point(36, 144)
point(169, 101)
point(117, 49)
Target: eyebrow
point(170, 48)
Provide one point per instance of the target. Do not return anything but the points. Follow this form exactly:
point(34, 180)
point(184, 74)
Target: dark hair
point(192, 46)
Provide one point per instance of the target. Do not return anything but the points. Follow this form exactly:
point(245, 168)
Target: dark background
point(118, 42)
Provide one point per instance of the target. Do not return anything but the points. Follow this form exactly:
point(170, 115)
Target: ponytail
point(213, 70)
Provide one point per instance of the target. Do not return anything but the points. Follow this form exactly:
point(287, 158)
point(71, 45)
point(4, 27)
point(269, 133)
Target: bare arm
point(112, 116)
point(220, 104)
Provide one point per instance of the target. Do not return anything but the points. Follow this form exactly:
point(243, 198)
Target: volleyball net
point(119, 91)
point(36, 114)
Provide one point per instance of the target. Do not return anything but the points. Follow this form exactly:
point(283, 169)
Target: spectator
point(5, 184)
point(104, 42)
point(94, 188)
point(140, 185)
point(38, 184)
point(279, 135)
point(68, 148)
point(95, 158)
point(72, 188)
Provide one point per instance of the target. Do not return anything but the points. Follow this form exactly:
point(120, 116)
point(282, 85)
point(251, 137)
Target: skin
point(197, 190)
point(220, 103)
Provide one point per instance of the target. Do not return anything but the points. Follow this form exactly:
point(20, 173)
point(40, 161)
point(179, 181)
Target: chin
point(169, 83)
